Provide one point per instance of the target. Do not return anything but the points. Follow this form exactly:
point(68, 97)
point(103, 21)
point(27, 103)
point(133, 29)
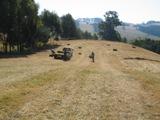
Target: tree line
point(62, 27)
point(152, 45)
point(19, 21)
point(21, 28)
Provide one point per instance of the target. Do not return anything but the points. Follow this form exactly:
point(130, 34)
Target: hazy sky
point(134, 11)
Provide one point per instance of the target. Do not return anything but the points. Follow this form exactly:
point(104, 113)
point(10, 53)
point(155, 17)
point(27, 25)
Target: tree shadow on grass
point(27, 52)
point(140, 58)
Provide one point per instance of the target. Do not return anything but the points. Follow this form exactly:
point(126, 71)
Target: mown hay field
point(122, 84)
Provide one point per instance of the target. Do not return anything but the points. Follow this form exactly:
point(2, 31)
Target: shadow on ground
point(139, 58)
point(28, 52)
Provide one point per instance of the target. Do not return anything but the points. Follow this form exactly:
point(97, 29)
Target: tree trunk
point(10, 48)
point(5, 47)
point(18, 47)
point(21, 48)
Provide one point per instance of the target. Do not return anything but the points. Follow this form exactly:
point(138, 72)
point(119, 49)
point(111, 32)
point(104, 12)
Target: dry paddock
point(120, 85)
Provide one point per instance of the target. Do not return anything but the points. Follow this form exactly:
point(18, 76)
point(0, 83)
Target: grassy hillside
point(150, 29)
point(92, 28)
point(132, 33)
point(87, 27)
point(120, 85)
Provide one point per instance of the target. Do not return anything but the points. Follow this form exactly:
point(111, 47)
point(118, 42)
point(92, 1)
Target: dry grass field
point(120, 85)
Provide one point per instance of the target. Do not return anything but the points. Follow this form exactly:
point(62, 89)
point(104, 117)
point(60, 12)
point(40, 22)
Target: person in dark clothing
point(93, 56)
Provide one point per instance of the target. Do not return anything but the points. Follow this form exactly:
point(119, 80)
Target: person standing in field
point(93, 56)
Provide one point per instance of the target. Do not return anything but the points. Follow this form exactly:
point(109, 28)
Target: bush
point(43, 34)
point(153, 45)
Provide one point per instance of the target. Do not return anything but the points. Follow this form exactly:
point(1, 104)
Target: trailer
point(65, 54)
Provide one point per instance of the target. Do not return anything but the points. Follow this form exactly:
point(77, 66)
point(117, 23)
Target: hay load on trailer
point(65, 54)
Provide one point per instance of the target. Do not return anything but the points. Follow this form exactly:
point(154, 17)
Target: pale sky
point(133, 11)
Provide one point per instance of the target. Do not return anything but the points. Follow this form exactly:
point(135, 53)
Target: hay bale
point(80, 53)
point(68, 44)
point(133, 46)
point(108, 45)
point(80, 47)
point(115, 49)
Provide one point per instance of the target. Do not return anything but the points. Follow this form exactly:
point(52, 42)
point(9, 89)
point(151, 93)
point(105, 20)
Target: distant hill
point(130, 31)
point(89, 21)
point(88, 24)
point(151, 27)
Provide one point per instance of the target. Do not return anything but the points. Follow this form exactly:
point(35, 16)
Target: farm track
point(116, 87)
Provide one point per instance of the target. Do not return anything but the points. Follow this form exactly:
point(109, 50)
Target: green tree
point(52, 21)
point(8, 20)
point(87, 35)
point(19, 21)
point(95, 37)
point(107, 27)
point(153, 45)
point(79, 33)
point(69, 30)
point(28, 16)
point(43, 33)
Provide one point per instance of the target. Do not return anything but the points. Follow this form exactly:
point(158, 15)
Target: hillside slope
point(87, 27)
point(127, 30)
point(120, 85)
point(132, 33)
